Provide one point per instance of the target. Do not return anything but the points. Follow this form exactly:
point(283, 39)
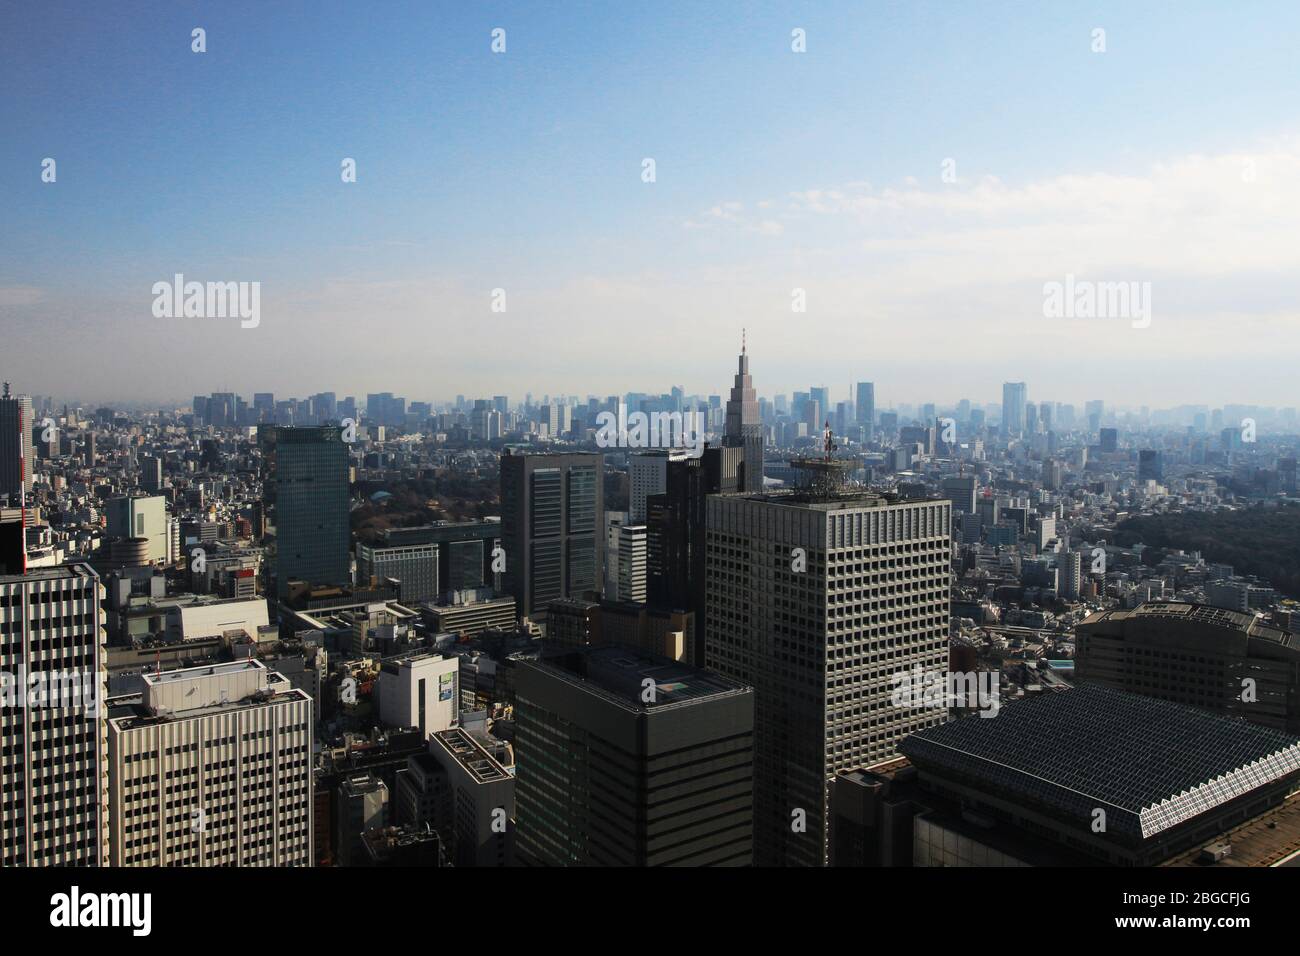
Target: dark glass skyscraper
point(866, 410)
point(1015, 395)
point(626, 759)
point(675, 544)
point(310, 478)
point(552, 517)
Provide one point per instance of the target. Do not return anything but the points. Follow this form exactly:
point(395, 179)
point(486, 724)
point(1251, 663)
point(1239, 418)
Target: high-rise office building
point(435, 560)
point(552, 527)
point(614, 520)
point(632, 563)
point(53, 743)
point(676, 532)
point(15, 446)
point(310, 477)
point(744, 427)
point(867, 407)
point(151, 474)
point(820, 602)
point(822, 396)
point(413, 566)
point(648, 475)
point(1095, 410)
point(481, 824)
point(627, 759)
point(1151, 466)
point(264, 406)
point(960, 490)
point(1015, 396)
point(211, 766)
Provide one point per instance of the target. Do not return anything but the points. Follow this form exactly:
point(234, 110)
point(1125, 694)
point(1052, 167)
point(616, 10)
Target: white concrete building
point(212, 618)
point(633, 543)
point(420, 691)
point(211, 766)
point(139, 516)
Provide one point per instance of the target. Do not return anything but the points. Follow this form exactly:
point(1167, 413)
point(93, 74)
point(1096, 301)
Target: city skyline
point(755, 435)
point(846, 393)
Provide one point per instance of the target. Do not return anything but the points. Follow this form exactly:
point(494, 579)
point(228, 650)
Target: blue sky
point(774, 171)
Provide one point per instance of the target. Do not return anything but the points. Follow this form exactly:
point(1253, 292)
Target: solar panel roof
point(1150, 764)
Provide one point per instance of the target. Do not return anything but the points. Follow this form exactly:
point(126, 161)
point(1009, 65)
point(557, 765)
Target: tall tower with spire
point(743, 428)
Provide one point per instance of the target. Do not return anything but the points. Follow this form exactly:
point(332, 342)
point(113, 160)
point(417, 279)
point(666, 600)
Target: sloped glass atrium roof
point(1150, 764)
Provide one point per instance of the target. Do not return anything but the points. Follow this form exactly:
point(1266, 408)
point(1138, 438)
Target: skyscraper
point(744, 427)
point(628, 759)
point(15, 446)
point(632, 563)
point(481, 829)
point(1015, 396)
point(53, 746)
point(310, 469)
point(552, 527)
point(821, 394)
point(819, 603)
point(212, 767)
point(151, 474)
point(1150, 465)
point(867, 407)
point(676, 532)
point(648, 471)
point(960, 490)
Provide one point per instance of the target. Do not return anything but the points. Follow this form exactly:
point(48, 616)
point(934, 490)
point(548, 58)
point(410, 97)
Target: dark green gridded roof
point(1150, 764)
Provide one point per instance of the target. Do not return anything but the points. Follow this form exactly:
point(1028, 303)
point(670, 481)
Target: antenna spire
point(742, 340)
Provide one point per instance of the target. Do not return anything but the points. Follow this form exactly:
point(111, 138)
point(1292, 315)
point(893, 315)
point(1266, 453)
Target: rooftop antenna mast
point(828, 441)
point(822, 479)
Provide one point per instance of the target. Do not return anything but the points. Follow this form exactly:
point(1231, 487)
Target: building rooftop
point(51, 574)
point(1271, 839)
point(619, 673)
point(202, 673)
point(471, 755)
point(1202, 617)
point(1150, 764)
point(844, 501)
point(200, 691)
